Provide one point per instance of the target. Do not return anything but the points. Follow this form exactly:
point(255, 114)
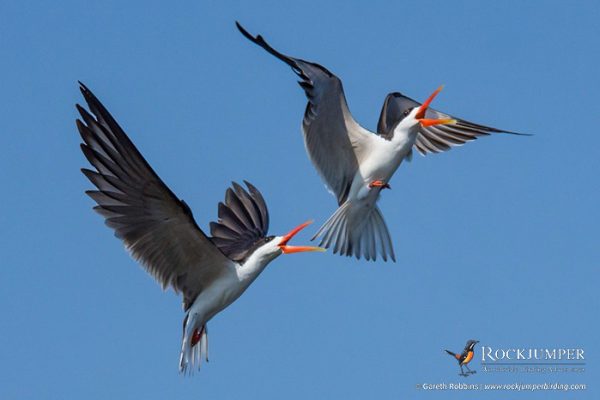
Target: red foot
point(196, 336)
point(380, 184)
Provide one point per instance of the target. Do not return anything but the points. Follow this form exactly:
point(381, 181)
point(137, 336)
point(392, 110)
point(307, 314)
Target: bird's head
point(274, 246)
point(415, 117)
point(471, 344)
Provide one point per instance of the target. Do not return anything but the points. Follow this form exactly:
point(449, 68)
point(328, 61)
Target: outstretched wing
point(157, 228)
point(432, 139)
point(334, 140)
point(243, 222)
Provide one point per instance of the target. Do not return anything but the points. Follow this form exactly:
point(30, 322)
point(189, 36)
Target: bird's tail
point(357, 229)
point(193, 346)
point(451, 353)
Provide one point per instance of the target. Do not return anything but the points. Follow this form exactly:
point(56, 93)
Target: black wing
point(243, 222)
point(431, 139)
point(335, 142)
point(156, 227)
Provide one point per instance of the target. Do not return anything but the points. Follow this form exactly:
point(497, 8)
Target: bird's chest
point(218, 296)
point(468, 358)
point(384, 159)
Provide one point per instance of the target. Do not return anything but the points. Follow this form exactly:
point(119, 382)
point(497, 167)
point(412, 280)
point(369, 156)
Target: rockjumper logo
point(465, 357)
point(489, 354)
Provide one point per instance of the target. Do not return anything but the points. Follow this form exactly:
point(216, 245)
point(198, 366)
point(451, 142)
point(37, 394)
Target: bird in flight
point(160, 232)
point(465, 357)
point(357, 164)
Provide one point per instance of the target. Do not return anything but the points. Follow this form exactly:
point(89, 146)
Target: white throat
point(405, 133)
point(258, 261)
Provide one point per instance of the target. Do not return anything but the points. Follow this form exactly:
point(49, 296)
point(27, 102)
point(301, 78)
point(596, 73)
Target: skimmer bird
point(160, 232)
point(357, 164)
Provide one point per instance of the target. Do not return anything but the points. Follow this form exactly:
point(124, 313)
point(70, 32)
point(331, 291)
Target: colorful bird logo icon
point(465, 357)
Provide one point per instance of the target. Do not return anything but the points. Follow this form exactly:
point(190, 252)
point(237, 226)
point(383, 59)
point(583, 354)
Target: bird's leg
point(380, 184)
point(462, 372)
point(469, 371)
point(197, 336)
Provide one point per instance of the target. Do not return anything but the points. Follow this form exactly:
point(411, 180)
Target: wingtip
point(86, 92)
point(518, 133)
point(250, 186)
point(81, 127)
point(82, 111)
point(244, 32)
point(260, 41)
point(83, 87)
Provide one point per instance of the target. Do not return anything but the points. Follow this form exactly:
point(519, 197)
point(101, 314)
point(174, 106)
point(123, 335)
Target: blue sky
point(495, 241)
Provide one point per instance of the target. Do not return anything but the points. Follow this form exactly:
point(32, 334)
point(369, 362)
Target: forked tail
point(357, 229)
point(193, 346)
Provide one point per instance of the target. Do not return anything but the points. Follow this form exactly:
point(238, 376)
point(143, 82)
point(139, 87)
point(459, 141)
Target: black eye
point(268, 238)
point(407, 111)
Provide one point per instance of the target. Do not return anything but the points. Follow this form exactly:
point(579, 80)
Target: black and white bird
point(160, 232)
point(357, 164)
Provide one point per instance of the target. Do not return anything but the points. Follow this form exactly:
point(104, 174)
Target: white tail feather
point(204, 342)
point(191, 356)
point(357, 229)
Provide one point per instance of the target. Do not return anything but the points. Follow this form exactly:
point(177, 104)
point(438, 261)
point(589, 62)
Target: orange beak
point(420, 116)
point(296, 249)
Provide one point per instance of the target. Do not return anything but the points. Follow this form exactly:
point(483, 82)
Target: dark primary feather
point(243, 222)
point(157, 228)
point(331, 135)
point(312, 74)
point(431, 139)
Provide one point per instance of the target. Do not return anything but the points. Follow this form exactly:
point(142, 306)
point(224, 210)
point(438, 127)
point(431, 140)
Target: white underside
point(211, 301)
point(217, 296)
point(382, 161)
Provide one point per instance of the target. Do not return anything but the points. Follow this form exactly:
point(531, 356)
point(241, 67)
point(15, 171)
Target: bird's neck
point(404, 136)
point(252, 267)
